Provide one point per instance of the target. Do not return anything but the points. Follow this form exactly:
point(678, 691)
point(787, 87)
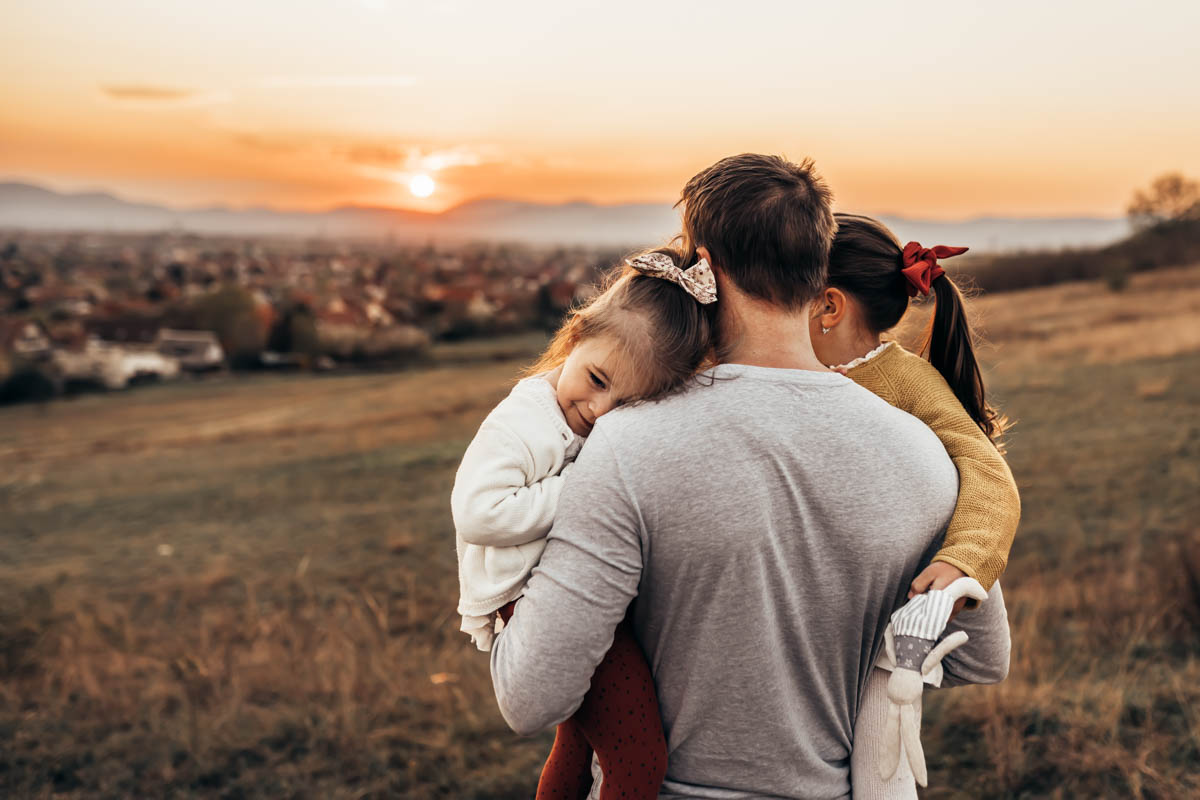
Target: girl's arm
point(498, 498)
point(988, 510)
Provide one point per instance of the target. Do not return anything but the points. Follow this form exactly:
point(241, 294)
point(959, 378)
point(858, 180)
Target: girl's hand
point(937, 575)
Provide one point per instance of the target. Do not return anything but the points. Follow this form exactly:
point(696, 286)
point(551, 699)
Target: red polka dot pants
point(619, 721)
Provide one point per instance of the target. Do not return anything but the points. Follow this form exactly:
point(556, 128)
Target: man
point(767, 521)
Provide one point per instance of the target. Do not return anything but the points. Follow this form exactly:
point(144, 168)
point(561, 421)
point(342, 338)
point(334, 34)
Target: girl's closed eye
point(597, 381)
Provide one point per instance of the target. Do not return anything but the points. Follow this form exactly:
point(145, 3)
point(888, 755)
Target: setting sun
point(421, 186)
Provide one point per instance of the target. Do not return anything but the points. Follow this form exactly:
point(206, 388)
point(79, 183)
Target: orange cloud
point(146, 93)
point(268, 144)
point(337, 82)
point(150, 96)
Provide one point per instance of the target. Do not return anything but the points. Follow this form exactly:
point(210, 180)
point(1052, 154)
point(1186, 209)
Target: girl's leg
point(868, 745)
point(568, 769)
point(620, 719)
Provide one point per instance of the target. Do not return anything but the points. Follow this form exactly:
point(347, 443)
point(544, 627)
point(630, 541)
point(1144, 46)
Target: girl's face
point(593, 381)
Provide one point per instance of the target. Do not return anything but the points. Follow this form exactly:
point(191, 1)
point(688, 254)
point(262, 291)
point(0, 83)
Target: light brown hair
point(663, 331)
point(767, 223)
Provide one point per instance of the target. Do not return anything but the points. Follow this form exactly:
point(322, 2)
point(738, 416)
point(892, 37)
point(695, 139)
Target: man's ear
point(831, 307)
point(718, 275)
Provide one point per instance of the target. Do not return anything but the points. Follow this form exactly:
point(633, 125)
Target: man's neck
point(761, 335)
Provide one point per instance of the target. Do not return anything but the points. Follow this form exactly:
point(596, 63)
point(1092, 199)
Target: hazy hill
point(32, 207)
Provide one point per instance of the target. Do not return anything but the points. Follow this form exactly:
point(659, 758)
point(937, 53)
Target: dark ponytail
point(865, 262)
point(950, 347)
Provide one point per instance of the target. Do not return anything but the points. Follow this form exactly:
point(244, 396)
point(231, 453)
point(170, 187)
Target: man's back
point(768, 523)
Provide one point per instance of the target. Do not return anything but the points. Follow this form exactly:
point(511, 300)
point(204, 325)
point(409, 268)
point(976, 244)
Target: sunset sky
point(937, 110)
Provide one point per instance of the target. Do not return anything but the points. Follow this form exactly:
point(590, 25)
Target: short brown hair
point(767, 222)
point(664, 332)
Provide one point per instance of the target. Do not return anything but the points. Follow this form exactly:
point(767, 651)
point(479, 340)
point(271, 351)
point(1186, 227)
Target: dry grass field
point(245, 587)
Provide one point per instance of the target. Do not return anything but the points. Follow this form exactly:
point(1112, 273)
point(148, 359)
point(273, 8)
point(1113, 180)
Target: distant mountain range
point(24, 206)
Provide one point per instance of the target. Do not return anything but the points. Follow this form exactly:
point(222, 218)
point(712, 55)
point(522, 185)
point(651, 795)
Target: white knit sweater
point(504, 499)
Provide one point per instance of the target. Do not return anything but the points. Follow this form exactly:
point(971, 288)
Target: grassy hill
point(246, 587)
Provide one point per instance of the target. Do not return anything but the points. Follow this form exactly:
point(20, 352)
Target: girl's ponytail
point(951, 350)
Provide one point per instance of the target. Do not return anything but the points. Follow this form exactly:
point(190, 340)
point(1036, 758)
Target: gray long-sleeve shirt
point(767, 524)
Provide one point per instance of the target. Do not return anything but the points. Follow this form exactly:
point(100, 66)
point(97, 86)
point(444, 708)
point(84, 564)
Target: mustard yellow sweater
point(985, 518)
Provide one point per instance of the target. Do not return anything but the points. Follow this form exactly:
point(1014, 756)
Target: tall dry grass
point(200, 685)
point(1102, 696)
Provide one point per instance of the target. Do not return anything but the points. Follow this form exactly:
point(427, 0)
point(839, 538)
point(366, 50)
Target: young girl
point(644, 336)
point(871, 280)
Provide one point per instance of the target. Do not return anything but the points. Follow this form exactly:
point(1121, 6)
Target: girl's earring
point(825, 330)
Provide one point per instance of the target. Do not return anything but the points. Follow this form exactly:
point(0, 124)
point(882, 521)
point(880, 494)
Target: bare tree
point(1170, 198)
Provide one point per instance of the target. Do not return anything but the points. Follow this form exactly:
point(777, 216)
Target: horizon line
point(168, 206)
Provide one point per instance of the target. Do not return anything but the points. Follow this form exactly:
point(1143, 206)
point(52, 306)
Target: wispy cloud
point(127, 92)
point(337, 82)
point(148, 95)
point(437, 160)
point(268, 144)
point(374, 154)
point(413, 158)
point(374, 157)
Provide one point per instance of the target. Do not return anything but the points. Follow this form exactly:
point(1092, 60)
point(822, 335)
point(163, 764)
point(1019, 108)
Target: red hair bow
point(921, 267)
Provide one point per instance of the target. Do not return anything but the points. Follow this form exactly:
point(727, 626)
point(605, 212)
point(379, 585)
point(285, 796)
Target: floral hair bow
point(921, 267)
point(697, 280)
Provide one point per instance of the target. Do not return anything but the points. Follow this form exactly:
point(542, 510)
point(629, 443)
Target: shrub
point(1170, 198)
point(232, 314)
point(1116, 274)
point(295, 332)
